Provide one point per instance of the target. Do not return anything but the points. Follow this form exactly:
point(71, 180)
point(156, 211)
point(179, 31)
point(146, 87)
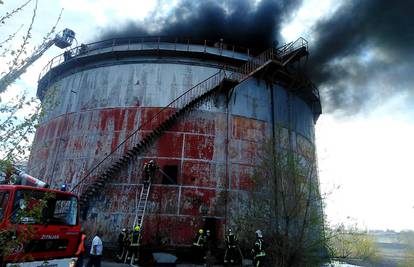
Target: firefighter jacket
point(81, 247)
point(135, 238)
point(123, 239)
point(200, 240)
point(149, 171)
point(231, 240)
point(258, 250)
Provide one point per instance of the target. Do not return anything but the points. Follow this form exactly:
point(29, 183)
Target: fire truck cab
point(51, 235)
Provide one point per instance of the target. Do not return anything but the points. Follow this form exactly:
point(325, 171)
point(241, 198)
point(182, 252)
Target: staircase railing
point(292, 46)
point(180, 102)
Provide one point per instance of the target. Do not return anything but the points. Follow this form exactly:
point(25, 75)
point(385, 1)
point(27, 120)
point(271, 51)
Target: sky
point(364, 137)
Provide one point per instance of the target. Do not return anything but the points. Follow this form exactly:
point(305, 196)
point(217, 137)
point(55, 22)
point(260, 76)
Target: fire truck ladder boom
point(221, 82)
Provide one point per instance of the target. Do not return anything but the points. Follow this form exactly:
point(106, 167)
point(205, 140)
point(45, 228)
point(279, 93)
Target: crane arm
point(63, 40)
point(27, 179)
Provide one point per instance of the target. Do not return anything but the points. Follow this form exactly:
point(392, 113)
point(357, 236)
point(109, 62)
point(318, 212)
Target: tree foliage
point(407, 238)
point(29, 212)
point(293, 218)
point(350, 242)
point(19, 113)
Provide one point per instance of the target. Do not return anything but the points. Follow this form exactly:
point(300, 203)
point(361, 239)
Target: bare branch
point(26, 38)
point(13, 12)
point(11, 37)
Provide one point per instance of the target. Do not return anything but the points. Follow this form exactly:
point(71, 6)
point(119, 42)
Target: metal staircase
point(293, 51)
point(112, 164)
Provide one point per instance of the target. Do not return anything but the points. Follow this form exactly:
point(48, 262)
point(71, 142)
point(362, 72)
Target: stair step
point(131, 154)
point(194, 101)
point(118, 163)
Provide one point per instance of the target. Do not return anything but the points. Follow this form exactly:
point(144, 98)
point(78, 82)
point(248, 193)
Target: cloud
point(105, 12)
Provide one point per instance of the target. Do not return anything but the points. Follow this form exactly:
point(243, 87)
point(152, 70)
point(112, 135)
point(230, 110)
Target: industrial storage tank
point(201, 110)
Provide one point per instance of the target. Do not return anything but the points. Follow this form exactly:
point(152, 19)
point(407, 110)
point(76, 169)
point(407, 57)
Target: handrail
point(181, 101)
point(290, 47)
point(128, 41)
point(184, 99)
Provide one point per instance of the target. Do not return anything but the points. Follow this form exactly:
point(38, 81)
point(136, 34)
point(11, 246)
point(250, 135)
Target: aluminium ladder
point(142, 205)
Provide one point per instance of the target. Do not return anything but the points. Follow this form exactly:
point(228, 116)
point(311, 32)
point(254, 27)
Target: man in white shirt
point(96, 251)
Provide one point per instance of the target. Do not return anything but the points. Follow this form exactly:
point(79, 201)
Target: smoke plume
point(361, 56)
point(239, 22)
point(364, 54)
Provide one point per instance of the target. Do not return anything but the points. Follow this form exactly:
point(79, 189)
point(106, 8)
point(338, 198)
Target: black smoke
point(364, 54)
point(239, 22)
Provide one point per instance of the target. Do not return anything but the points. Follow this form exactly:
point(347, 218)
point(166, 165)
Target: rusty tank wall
point(93, 106)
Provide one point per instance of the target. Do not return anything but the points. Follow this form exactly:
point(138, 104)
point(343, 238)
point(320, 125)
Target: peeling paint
point(214, 177)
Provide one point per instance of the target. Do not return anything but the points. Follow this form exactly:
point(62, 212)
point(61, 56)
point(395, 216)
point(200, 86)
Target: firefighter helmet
point(137, 228)
point(123, 229)
point(200, 231)
point(259, 234)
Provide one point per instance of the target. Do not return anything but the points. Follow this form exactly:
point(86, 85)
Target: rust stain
point(199, 147)
point(198, 174)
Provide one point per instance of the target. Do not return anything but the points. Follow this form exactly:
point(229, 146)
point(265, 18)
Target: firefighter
point(207, 246)
point(80, 252)
point(122, 244)
point(232, 253)
point(258, 250)
point(149, 171)
point(199, 245)
point(133, 253)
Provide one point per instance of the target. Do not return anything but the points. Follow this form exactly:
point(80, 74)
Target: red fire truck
point(51, 235)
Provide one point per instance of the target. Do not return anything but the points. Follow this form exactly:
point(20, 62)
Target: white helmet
point(259, 234)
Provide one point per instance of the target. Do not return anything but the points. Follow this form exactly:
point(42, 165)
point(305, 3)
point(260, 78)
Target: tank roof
point(141, 46)
point(126, 50)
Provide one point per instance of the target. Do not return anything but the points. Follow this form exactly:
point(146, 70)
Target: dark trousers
point(232, 255)
point(94, 261)
point(134, 251)
point(79, 262)
point(258, 261)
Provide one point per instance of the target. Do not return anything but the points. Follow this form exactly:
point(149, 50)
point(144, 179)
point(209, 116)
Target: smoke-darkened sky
point(239, 22)
point(362, 55)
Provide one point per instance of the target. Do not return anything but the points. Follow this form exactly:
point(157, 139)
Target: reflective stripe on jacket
point(81, 247)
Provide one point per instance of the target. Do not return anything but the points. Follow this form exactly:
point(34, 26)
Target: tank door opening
point(169, 174)
point(212, 225)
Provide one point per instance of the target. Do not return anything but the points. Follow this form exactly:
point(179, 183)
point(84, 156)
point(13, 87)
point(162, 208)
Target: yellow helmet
point(200, 231)
point(137, 228)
